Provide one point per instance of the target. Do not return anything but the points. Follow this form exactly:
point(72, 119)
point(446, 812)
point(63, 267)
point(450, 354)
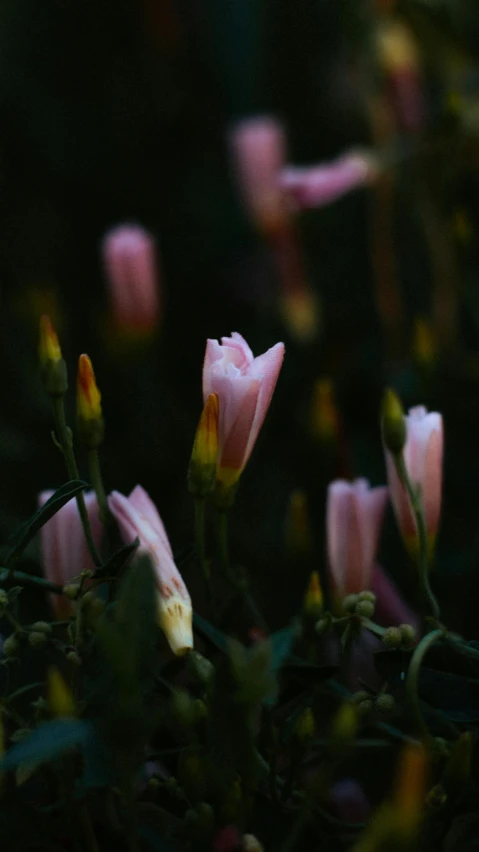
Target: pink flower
point(423, 454)
point(390, 609)
point(244, 385)
point(137, 516)
point(354, 516)
point(64, 547)
point(317, 186)
point(130, 262)
point(258, 151)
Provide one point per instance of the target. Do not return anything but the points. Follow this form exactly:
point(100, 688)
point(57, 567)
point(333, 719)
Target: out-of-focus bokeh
point(307, 171)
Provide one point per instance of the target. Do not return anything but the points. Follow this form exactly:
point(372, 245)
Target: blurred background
point(301, 170)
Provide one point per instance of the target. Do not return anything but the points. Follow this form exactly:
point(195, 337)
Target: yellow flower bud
point(324, 414)
point(423, 343)
point(313, 599)
point(53, 367)
point(89, 413)
point(393, 422)
point(297, 529)
point(202, 470)
point(345, 724)
point(410, 789)
point(60, 698)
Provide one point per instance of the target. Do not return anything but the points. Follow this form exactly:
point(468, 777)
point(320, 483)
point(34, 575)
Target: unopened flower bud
point(42, 627)
point(37, 640)
point(52, 365)
point(345, 724)
point(10, 646)
point(71, 591)
point(322, 626)
point(365, 707)
point(437, 797)
point(392, 638)
point(93, 605)
point(408, 634)
point(153, 784)
point(89, 413)
point(60, 698)
point(393, 422)
point(201, 668)
point(252, 844)
point(364, 608)
point(385, 704)
point(367, 596)
point(350, 602)
point(74, 658)
point(202, 469)
point(361, 695)
point(313, 599)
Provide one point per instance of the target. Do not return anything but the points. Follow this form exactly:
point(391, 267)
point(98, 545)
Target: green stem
point(413, 677)
point(240, 583)
point(420, 521)
point(97, 482)
point(65, 439)
point(32, 580)
point(200, 507)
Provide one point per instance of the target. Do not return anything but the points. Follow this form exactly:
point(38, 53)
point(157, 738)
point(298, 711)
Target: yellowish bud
point(324, 413)
point(393, 422)
point(423, 343)
point(60, 698)
point(304, 726)
point(297, 529)
point(49, 347)
point(313, 599)
point(175, 617)
point(89, 413)
point(345, 724)
point(202, 470)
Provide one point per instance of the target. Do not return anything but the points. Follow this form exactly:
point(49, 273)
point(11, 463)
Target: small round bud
point(385, 704)
point(365, 609)
point(74, 658)
point(42, 627)
point(37, 640)
point(392, 638)
point(153, 784)
point(252, 844)
point(408, 634)
point(93, 605)
point(361, 695)
point(437, 797)
point(322, 626)
point(3, 598)
point(349, 602)
point(365, 707)
point(393, 422)
point(10, 646)
point(71, 591)
point(367, 596)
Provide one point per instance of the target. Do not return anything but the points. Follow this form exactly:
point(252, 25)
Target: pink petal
point(399, 499)
point(344, 538)
point(432, 481)
point(213, 353)
point(237, 395)
point(265, 367)
point(372, 506)
point(233, 453)
point(391, 609)
point(145, 507)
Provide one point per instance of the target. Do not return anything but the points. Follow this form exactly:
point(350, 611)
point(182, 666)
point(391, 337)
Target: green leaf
point(47, 742)
point(115, 564)
point(216, 637)
point(27, 530)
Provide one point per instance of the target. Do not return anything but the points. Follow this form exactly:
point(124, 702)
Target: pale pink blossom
point(317, 186)
point(422, 454)
point(245, 386)
point(390, 608)
point(137, 516)
point(131, 268)
point(64, 548)
point(354, 516)
point(258, 155)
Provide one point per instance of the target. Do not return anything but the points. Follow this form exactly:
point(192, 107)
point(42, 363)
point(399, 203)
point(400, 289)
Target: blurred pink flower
point(131, 269)
point(137, 516)
point(258, 153)
point(423, 455)
point(64, 548)
point(244, 385)
point(390, 608)
point(354, 515)
point(317, 186)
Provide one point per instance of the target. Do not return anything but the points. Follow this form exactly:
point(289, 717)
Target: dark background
point(118, 111)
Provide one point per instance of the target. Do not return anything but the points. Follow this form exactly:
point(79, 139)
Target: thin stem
point(65, 439)
point(240, 583)
point(97, 482)
point(200, 506)
point(32, 580)
point(413, 677)
point(420, 521)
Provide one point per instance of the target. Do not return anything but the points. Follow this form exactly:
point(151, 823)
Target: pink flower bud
point(131, 269)
point(244, 385)
point(137, 516)
point(64, 547)
point(258, 153)
point(423, 454)
point(354, 515)
point(317, 186)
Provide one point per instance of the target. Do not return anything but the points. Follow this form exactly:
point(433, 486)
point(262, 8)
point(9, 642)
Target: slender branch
point(413, 677)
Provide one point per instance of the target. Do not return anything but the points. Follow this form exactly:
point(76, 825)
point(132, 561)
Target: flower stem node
point(350, 602)
point(10, 646)
point(393, 422)
point(385, 704)
point(37, 639)
point(408, 634)
point(364, 608)
point(392, 638)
